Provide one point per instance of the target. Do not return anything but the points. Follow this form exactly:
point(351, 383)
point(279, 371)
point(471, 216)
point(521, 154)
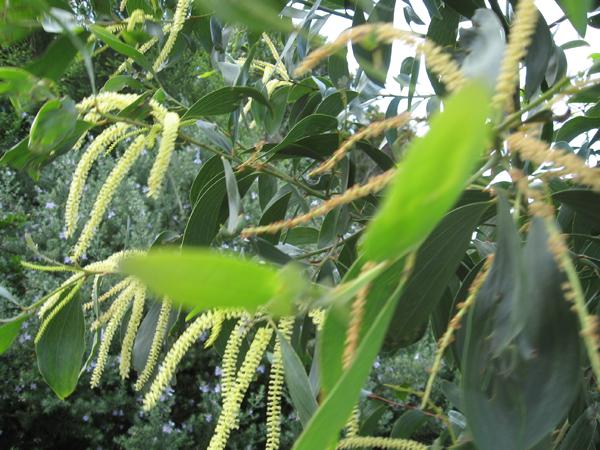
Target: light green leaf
point(53, 124)
point(200, 278)
point(431, 176)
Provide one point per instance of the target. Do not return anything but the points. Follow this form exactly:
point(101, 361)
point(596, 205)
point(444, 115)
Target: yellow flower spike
point(521, 32)
point(106, 194)
point(375, 184)
point(181, 11)
point(57, 309)
point(132, 327)
point(353, 424)
point(276, 379)
point(318, 317)
point(159, 112)
point(380, 442)
point(231, 407)
point(230, 355)
point(95, 149)
point(108, 294)
point(123, 5)
point(163, 158)
point(122, 304)
point(105, 102)
point(278, 62)
point(372, 130)
point(216, 329)
point(157, 340)
point(174, 356)
point(106, 315)
point(125, 65)
point(137, 16)
point(52, 300)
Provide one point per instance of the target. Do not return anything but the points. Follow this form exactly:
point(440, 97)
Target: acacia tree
point(363, 236)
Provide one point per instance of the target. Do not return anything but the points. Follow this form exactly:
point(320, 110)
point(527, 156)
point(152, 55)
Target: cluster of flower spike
point(141, 137)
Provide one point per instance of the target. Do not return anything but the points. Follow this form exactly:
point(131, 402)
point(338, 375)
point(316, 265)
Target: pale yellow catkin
point(380, 442)
point(155, 346)
point(567, 163)
point(216, 329)
point(181, 11)
point(353, 424)
point(108, 294)
point(375, 184)
point(436, 59)
point(123, 302)
point(228, 420)
point(174, 356)
point(278, 62)
point(230, 355)
point(137, 311)
point(105, 102)
point(64, 302)
point(276, 380)
point(521, 32)
point(165, 151)
point(317, 316)
point(125, 65)
point(106, 194)
point(94, 150)
point(372, 130)
point(53, 299)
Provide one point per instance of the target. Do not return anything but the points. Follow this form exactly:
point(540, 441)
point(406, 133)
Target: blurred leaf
point(583, 434)
point(335, 103)
point(575, 127)
point(198, 278)
point(260, 15)
point(56, 59)
point(458, 136)
point(590, 94)
point(60, 349)
point(274, 211)
point(53, 124)
point(119, 82)
point(538, 56)
point(9, 332)
point(297, 382)
point(465, 7)
point(522, 353)
point(222, 101)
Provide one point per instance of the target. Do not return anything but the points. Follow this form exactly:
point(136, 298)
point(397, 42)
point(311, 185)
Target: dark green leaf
point(120, 46)
point(222, 101)
point(576, 11)
point(56, 59)
point(538, 55)
point(275, 210)
point(60, 349)
point(575, 127)
point(408, 423)
point(335, 103)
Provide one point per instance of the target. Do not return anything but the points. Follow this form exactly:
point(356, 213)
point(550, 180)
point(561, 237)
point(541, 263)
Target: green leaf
point(233, 197)
point(576, 11)
point(436, 263)
point(274, 211)
point(309, 126)
point(408, 423)
point(53, 124)
point(413, 204)
point(297, 382)
point(56, 59)
point(582, 201)
point(198, 278)
point(323, 429)
point(335, 103)
point(120, 46)
point(521, 359)
point(60, 349)
point(443, 31)
point(583, 434)
point(538, 56)
point(9, 332)
point(575, 127)
point(258, 16)
point(223, 101)
point(590, 94)
point(119, 82)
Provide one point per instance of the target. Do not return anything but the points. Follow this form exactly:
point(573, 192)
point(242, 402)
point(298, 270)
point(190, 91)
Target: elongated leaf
point(198, 278)
point(120, 46)
point(309, 126)
point(60, 349)
point(275, 210)
point(223, 101)
point(9, 332)
point(297, 382)
point(233, 197)
point(323, 429)
point(415, 203)
point(56, 59)
point(522, 353)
